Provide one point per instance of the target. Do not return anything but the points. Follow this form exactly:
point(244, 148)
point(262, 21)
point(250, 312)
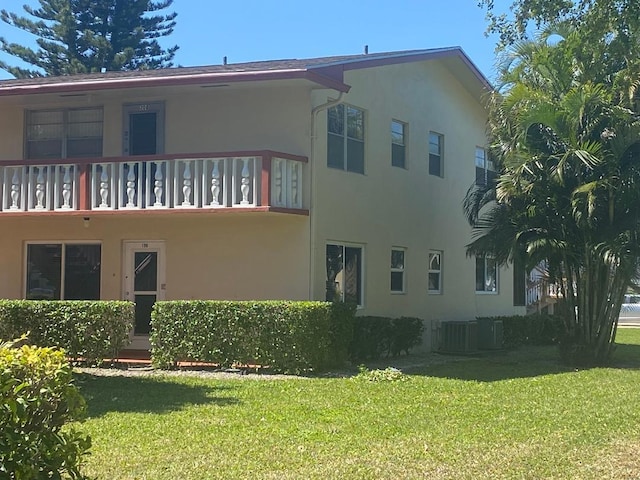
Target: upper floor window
point(485, 170)
point(344, 273)
point(436, 147)
point(486, 275)
point(398, 144)
point(70, 133)
point(397, 270)
point(345, 139)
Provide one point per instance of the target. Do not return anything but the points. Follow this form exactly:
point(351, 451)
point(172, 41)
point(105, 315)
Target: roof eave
point(407, 57)
point(172, 80)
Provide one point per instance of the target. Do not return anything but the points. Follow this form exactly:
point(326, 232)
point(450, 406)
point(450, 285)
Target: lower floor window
point(397, 270)
point(63, 271)
point(435, 271)
point(344, 273)
point(486, 274)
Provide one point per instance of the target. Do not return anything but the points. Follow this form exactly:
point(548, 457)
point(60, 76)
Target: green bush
point(343, 317)
point(389, 374)
point(407, 333)
point(536, 329)
point(377, 336)
point(91, 330)
point(37, 399)
point(285, 336)
point(370, 338)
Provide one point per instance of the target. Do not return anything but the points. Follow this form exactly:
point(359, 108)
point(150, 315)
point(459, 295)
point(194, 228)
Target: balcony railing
point(541, 291)
point(202, 181)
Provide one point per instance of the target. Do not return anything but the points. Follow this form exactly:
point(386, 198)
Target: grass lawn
point(508, 415)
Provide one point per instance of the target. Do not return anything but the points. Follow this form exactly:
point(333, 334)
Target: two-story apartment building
point(326, 178)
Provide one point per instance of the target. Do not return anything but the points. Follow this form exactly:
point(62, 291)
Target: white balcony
point(263, 179)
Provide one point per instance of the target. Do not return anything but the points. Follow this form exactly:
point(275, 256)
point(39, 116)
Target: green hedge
point(92, 330)
point(285, 336)
point(38, 399)
point(536, 329)
point(377, 336)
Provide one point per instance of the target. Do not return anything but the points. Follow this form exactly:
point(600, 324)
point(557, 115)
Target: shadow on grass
point(523, 362)
point(495, 366)
point(487, 366)
point(626, 355)
point(145, 395)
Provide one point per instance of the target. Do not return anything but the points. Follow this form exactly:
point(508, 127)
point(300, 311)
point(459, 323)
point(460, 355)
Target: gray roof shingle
point(329, 67)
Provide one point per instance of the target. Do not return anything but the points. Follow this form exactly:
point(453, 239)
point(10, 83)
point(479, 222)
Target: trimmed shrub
point(536, 329)
point(371, 338)
point(91, 330)
point(407, 334)
point(37, 400)
point(341, 330)
point(285, 336)
point(377, 336)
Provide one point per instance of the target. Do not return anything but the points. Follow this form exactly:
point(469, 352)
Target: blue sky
point(247, 30)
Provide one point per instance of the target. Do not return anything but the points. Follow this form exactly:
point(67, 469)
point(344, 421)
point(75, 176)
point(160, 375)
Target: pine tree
point(86, 36)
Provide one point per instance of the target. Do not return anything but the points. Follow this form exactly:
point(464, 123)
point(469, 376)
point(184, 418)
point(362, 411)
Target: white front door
point(144, 283)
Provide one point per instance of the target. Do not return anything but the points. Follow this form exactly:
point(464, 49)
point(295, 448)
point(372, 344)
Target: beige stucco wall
point(235, 256)
point(240, 255)
point(11, 128)
point(225, 119)
point(390, 206)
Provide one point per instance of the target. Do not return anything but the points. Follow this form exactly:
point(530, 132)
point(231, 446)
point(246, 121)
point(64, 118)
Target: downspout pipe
point(312, 193)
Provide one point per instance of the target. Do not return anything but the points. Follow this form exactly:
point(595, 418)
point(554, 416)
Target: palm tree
point(566, 141)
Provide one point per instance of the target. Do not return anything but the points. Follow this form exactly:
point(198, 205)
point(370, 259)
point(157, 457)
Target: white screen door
point(144, 279)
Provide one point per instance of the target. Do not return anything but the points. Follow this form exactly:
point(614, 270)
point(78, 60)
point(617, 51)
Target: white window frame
point(431, 255)
point(64, 139)
point(496, 291)
point(440, 154)
point(360, 246)
point(345, 136)
point(401, 270)
point(403, 143)
point(63, 250)
point(482, 161)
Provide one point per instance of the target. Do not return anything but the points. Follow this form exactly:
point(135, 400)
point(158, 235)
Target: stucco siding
point(216, 256)
point(406, 207)
point(197, 119)
point(11, 128)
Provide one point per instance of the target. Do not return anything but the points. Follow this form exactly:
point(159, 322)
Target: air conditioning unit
point(458, 337)
point(490, 334)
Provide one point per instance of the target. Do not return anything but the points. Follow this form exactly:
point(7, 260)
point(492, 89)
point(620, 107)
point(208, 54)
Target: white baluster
point(215, 184)
point(40, 188)
point(294, 184)
point(244, 187)
point(66, 188)
point(131, 185)
point(15, 190)
point(186, 184)
point(104, 187)
point(157, 185)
